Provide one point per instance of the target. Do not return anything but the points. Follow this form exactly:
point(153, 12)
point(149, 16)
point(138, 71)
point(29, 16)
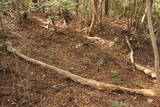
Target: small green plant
point(2, 44)
point(85, 30)
point(2, 51)
point(116, 80)
point(32, 73)
point(114, 73)
point(43, 77)
point(99, 63)
point(139, 40)
point(85, 60)
point(138, 83)
point(119, 104)
point(5, 6)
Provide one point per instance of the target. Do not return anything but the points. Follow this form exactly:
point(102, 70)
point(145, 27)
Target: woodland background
point(79, 53)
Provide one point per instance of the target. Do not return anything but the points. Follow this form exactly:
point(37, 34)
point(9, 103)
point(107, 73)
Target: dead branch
point(85, 81)
point(137, 66)
point(129, 45)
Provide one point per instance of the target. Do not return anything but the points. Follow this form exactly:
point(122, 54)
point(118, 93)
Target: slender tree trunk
point(35, 1)
point(77, 6)
point(106, 7)
point(94, 16)
point(144, 17)
point(153, 39)
point(16, 8)
point(2, 26)
point(132, 14)
point(101, 11)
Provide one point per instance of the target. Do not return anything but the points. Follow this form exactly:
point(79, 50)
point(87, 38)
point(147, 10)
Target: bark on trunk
point(94, 16)
point(152, 36)
point(106, 7)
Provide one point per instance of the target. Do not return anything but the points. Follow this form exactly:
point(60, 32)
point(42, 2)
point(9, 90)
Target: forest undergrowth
point(103, 56)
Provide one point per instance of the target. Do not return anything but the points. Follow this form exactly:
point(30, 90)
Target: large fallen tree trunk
point(85, 81)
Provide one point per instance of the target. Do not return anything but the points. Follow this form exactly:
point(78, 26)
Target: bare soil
point(99, 57)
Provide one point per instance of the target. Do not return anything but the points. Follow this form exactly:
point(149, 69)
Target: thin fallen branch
point(137, 66)
point(85, 81)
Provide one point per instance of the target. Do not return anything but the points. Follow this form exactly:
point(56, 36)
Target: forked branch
point(137, 66)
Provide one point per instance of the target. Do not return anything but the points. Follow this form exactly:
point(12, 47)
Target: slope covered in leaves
point(103, 56)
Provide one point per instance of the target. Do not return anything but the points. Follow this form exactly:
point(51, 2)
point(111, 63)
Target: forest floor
point(103, 56)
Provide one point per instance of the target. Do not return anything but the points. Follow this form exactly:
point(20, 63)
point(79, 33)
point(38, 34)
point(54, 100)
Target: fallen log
point(85, 81)
point(137, 66)
point(146, 70)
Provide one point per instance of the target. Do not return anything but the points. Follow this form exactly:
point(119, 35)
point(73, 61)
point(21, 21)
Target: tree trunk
point(144, 18)
point(35, 1)
point(152, 36)
point(101, 11)
point(132, 14)
point(2, 26)
point(106, 7)
point(16, 8)
point(77, 6)
point(94, 15)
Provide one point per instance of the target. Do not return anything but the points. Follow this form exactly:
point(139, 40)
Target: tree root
point(85, 81)
point(137, 66)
